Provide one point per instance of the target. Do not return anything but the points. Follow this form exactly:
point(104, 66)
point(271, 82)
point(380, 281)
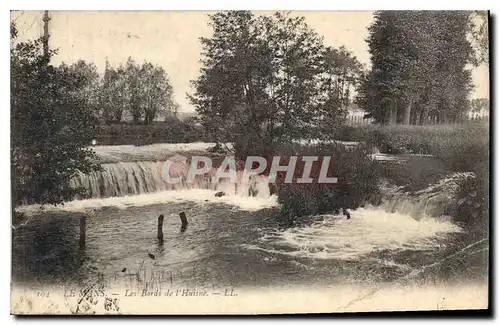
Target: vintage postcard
point(249, 162)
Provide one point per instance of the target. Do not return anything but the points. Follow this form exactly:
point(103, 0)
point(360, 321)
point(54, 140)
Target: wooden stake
point(83, 231)
point(160, 227)
point(183, 219)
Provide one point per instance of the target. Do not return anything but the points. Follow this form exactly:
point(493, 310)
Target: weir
point(432, 201)
point(125, 179)
point(142, 177)
point(140, 182)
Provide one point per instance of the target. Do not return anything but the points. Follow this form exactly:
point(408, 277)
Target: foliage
point(480, 105)
point(268, 79)
point(419, 67)
point(86, 83)
point(114, 95)
point(51, 127)
point(357, 183)
point(142, 91)
point(479, 29)
point(472, 205)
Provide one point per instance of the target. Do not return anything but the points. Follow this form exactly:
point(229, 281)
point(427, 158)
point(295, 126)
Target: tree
point(480, 105)
point(342, 73)
point(133, 76)
point(50, 128)
point(87, 83)
point(156, 92)
point(419, 67)
point(383, 88)
point(142, 91)
point(263, 81)
point(114, 97)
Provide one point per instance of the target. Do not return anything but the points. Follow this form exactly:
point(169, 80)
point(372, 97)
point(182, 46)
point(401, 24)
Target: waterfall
point(141, 177)
point(121, 179)
point(404, 221)
point(432, 201)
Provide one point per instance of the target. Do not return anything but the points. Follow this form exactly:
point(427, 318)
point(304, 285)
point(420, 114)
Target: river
point(236, 241)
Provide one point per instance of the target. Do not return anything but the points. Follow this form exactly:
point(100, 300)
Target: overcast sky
point(171, 39)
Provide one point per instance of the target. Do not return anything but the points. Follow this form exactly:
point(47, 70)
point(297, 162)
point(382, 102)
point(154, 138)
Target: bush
point(357, 182)
point(472, 205)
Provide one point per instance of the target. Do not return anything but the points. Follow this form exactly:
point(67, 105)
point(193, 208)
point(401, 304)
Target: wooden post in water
point(183, 220)
point(83, 231)
point(160, 227)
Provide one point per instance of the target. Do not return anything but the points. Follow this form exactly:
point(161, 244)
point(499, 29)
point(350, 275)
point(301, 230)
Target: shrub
point(472, 205)
point(357, 182)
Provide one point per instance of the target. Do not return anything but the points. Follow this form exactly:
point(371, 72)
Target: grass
point(443, 149)
point(459, 146)
point(455, 148)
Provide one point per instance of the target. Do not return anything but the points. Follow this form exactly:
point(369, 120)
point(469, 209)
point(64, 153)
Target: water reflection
point(224, 246)
point(47, 251)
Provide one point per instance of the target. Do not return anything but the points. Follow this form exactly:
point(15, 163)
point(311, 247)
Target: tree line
point(421, 65)
point(137, 92)
point(267, 79)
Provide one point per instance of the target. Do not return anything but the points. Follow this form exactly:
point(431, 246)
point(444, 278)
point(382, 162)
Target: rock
point(219, 194)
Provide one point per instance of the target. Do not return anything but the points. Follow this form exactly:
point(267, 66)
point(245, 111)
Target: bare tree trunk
point(407, 113)
point(393, 114)
point(424, 116)
point(441, 118)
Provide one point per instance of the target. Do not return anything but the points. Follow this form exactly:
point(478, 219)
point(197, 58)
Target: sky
point(171, 40)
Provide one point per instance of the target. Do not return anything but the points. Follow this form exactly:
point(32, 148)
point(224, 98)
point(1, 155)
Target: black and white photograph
point(241, 162)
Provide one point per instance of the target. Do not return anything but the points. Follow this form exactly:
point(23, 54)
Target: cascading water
point(412, 221)
point(235, 235)
point(122, 179)
point(142, 177)
point(404, 221)
point(432, 201)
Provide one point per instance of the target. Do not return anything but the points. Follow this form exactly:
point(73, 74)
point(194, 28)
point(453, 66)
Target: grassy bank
point(460, 147)
point(456, 148)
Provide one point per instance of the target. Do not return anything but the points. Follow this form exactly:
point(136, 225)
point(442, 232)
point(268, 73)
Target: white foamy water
point(430, 202)
point(247, 203)
point(368, 231)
